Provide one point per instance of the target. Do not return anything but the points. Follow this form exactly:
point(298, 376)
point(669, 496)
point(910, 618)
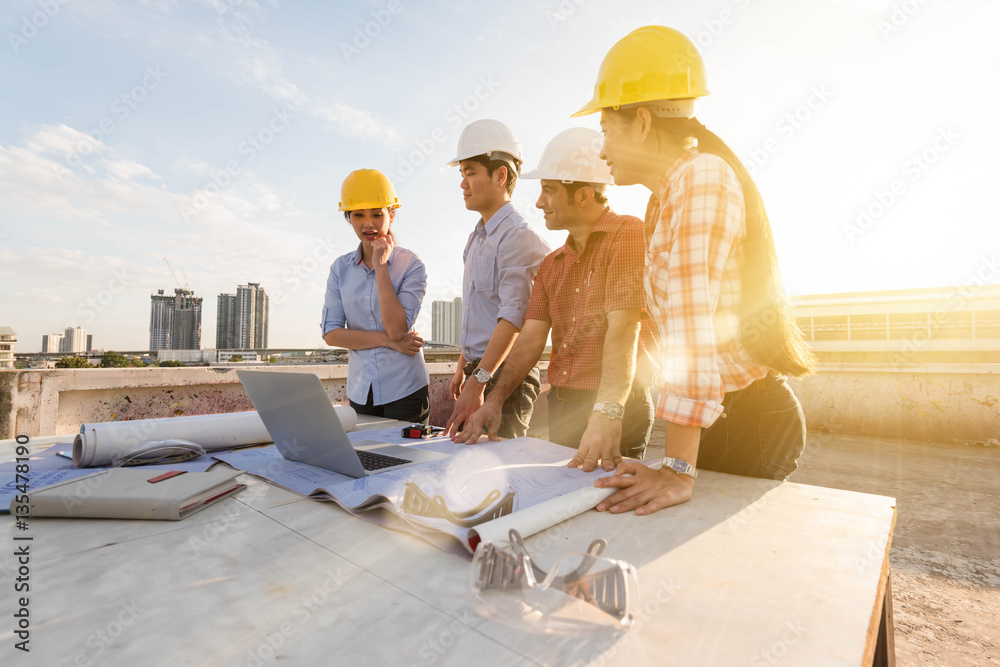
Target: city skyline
point(175, 321)
point(218, 134)
point(242, 319)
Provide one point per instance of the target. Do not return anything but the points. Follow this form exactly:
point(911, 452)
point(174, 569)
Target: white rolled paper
point(97, 444)
point(536, 518)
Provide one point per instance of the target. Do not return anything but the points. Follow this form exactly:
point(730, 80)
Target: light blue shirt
point(501, 259)
point(352, 303)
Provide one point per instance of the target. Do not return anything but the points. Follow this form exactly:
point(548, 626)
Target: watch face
point(483, 375)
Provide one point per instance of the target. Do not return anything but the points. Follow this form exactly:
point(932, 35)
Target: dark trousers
point(415, 408)
point(570, 410)
point(516, 412)
point(761, 432)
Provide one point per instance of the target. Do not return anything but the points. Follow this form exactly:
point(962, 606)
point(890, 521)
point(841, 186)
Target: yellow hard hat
point(649, 64)
point(367, 188)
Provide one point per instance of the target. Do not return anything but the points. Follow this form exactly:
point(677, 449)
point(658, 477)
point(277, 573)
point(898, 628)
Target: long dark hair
point(767, 329)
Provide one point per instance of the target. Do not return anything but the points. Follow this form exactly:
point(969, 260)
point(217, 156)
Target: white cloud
point(357, 123)
point(62, 140)
point(128, 169)
point(257, 64)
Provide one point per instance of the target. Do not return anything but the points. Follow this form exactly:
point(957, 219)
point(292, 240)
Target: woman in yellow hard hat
point(727, 338)
point(373, 296)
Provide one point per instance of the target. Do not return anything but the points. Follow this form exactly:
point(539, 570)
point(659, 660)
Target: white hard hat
point(487, 137)
point(573, 155)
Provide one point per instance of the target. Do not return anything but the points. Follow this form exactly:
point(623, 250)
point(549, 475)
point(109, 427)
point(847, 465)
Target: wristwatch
point(610, 409)
point(483, 375)
point(680, 466)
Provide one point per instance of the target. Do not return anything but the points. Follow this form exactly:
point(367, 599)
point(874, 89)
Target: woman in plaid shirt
point(712, 282)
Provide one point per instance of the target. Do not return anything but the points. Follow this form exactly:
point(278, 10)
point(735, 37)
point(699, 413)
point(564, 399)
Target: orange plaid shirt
point(694, 237)
point(574, 292)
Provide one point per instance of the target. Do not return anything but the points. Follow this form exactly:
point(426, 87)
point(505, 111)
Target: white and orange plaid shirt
point(694, 238)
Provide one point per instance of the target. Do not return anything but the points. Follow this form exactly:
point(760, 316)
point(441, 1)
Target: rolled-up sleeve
point(685, 275)
point(518, 258)
point(333, 305)
point(412, 289)
point(538, 307)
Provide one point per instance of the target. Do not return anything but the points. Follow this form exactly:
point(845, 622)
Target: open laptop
point(300, 418)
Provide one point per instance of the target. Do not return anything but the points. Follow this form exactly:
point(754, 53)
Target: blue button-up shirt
point(352, 303)
point(501, 259)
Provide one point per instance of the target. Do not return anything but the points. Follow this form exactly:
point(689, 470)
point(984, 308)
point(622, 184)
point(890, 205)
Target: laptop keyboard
point(372, 461)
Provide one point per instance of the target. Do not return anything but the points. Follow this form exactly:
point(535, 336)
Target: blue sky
point(216, 133)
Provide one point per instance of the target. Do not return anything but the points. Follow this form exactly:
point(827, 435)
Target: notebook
point(134, 493)
point(300, 418)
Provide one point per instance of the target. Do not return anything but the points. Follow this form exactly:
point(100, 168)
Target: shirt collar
point(604, 224)
point(502, 214)
point(674, 171)
point(359, 255)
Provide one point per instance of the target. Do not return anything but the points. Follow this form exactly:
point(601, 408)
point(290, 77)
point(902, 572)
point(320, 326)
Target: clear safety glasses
point(582, 591)
point(158, 452)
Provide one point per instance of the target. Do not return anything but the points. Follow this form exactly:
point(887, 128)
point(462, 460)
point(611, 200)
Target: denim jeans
point(415, 408)
point(516, 412)
point(761, 432)
point(568, 420)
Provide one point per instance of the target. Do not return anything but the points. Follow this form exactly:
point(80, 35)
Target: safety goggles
point(158, 452)
point(581, 592)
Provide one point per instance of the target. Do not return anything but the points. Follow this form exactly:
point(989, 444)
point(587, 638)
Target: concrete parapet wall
point(928, 402)
point(58, 401)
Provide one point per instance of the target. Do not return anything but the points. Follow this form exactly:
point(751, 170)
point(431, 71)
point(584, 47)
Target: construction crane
point(187, 285)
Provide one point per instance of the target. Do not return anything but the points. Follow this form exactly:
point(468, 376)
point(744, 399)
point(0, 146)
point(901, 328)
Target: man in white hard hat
point(590, 294)
point(501, 258)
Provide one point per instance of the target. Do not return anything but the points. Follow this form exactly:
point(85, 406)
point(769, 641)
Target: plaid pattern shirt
point(694, 234)
point(574, 291)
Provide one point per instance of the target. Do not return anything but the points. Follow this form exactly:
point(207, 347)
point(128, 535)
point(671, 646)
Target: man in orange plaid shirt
point(589, 293)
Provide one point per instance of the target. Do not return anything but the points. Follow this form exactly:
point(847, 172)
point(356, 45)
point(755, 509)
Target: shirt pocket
point(483, 272)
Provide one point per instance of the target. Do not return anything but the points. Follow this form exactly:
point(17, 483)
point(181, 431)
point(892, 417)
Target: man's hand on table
point(601, 443)
point(489, 416)
point(469, 400)
point(643, 489)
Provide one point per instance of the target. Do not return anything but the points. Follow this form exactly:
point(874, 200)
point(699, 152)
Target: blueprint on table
point(440, 500)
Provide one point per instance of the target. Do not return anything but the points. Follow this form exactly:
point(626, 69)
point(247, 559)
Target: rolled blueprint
point(97, 444)
point(536, 518)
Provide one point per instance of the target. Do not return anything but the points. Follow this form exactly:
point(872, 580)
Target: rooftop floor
point(945, 552)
